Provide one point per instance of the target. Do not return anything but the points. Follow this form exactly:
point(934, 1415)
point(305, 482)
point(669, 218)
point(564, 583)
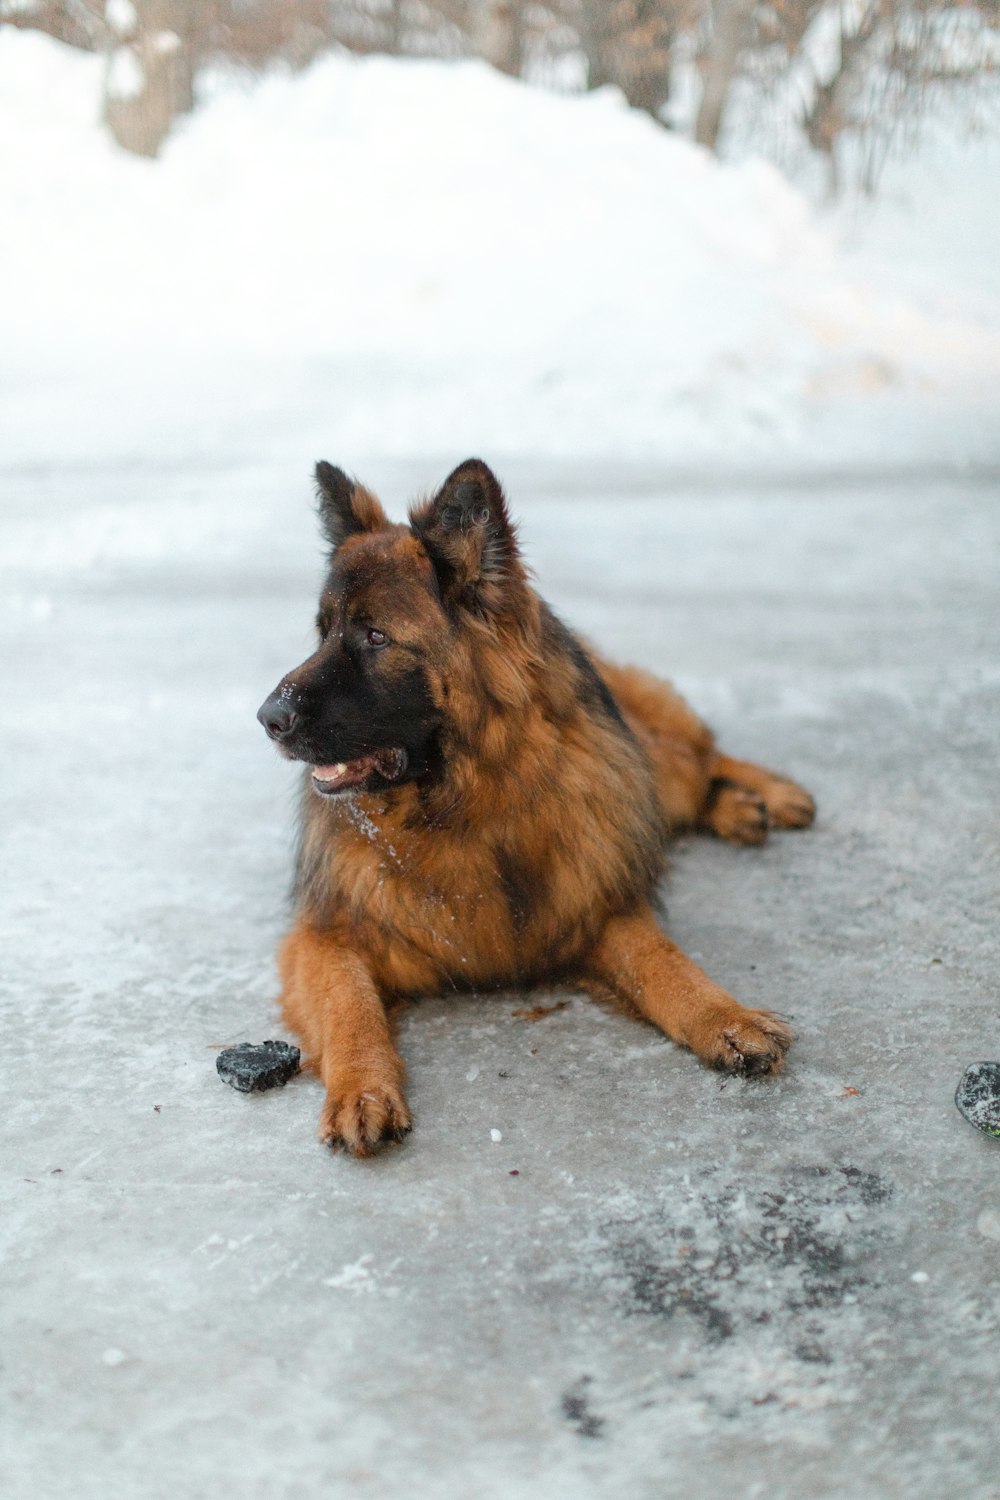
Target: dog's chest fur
point(497, 899)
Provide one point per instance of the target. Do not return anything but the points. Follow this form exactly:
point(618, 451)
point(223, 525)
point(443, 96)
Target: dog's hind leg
point(680, 747)
point(638, 963)
point(788, 805)
point(329, 998)
point(697, 785)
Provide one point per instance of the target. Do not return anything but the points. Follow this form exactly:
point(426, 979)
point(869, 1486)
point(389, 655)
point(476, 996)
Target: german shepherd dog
point(485, 803)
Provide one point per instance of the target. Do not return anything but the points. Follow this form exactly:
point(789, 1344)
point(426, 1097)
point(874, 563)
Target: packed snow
point(419, 258)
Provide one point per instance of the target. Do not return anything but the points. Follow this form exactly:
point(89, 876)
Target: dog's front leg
point(635, 960)
point(329, 998)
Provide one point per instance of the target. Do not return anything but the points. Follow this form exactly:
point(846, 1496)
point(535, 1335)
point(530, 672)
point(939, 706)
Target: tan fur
point(698, 787)
point(532, 859)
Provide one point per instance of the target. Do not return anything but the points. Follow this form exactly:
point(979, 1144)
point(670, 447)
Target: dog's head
point(367, 709)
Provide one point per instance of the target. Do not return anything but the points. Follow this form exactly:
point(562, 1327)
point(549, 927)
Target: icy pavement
point(595, 1270)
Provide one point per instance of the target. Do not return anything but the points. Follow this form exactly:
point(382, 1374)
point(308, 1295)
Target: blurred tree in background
point(155, 48)
point(836, 68)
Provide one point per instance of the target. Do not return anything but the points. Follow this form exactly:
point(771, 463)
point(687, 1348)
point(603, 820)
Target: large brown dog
point(487, 804)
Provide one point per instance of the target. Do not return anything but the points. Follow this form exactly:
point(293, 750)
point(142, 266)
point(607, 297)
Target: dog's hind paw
point(360, 1119)
point(788, 804)
point(738, 815)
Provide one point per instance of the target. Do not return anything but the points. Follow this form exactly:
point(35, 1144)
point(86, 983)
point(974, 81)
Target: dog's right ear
point(346, 508)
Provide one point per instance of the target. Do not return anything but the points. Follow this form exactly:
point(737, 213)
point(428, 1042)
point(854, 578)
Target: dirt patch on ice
point(733, 1256)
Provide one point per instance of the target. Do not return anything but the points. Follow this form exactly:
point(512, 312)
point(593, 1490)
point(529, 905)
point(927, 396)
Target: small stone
point(920, 1277)
point(112, 1358)
point(254, 1066)
point(495, 1136)
point(978, 1096)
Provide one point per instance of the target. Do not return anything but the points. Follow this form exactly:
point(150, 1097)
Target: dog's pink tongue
point(390, 763)
point(332, 773)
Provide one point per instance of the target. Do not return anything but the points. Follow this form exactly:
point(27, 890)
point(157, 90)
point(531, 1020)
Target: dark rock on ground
point(978, 1096)
point(252, 1067)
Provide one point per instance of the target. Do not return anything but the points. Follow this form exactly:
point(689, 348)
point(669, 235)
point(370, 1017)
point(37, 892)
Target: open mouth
point(342, 777)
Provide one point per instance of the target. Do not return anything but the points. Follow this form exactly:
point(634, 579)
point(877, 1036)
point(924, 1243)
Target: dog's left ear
point(471, 540)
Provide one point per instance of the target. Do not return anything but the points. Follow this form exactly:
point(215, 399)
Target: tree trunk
point(830, 111)
point(150, 80)
point(497, 32)
point(629, 43)
point(76, 26)
point(730, 29)
point(394, 29)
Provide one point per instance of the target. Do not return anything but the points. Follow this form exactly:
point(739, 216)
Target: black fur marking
point(520, 888)
point(716, 787)
point(350, 702)
point(594, 691)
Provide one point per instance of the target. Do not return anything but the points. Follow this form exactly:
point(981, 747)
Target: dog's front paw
point(360, 1115)
point(751, 1042)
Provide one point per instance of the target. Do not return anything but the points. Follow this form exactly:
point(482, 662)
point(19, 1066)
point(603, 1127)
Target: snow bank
point(402, 258)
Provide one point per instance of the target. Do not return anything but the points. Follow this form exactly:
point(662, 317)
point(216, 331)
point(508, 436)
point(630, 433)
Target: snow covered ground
point(691, 1286)
point(399, 257)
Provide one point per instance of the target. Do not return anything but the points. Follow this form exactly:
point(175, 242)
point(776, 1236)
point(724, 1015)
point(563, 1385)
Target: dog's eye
point(377, 638)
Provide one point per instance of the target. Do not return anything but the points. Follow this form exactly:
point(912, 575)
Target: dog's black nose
point(277, 718)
